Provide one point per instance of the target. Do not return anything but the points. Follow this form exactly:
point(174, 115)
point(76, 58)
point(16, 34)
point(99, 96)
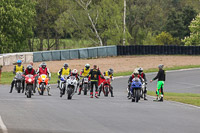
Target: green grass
point(187, 98)
point(7, 77)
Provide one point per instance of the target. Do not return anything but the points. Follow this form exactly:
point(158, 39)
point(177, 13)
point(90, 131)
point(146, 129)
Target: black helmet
point(43, 65)
point(66, 65)
point(87, 66)
point(29, 68)
point(111, 71)
point(140, 69)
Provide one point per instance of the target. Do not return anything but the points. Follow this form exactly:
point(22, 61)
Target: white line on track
point(3, 126)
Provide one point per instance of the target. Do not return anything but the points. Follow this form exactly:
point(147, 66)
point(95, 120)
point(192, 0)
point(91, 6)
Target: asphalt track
point(52, 114)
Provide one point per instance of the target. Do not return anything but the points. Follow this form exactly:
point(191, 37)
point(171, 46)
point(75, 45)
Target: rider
point(108, 73)
point(94, 74)
point(134, 74)
point(30, 70)
point(18, 68)
point(84, 72)
point(44, 70)
point(73, 73)
point(142, 74)
point(65, 70)
point(160, 84)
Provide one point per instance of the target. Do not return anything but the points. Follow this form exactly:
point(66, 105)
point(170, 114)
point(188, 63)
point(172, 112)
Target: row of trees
point(28, 25)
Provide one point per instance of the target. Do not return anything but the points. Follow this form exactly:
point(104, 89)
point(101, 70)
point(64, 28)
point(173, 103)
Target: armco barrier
point(101, 52)
point(1, 60)
point(74, 54)
point(47, 56)
point(56, 55)
point(65, 55)
point(92, 52)
point(37, 57)
point(83, 53)
point(158, 50)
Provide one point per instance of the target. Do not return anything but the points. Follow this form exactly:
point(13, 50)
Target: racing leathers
point(45, 71)
point(17, 68)
point(63, 72)
point(84, 72)
point(143, 76)
point(94, 75)
point(111, 88)
point(32, 72)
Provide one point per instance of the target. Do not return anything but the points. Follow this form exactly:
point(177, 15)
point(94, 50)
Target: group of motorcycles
point(41, 85)
point(68, 84)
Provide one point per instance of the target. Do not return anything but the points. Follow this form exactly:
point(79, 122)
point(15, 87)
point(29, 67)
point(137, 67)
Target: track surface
point(52, 114)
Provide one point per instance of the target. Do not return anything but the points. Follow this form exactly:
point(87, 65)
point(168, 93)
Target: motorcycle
point(106, 86)
point(135, 89)
point(42, 83)
point(29, 80)
point(85, 85)
point(18, 81)
point(71, 86)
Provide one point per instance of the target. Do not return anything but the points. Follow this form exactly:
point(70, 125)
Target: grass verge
point(187, 98)
point(7, 77)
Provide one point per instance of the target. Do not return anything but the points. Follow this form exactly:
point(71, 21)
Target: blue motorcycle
point(135, 89)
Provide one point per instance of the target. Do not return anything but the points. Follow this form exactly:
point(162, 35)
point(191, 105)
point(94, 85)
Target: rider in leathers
point(44, 70)
point(30, 70)
point(18, 68)
point(143, 76)
point(108, 73)
point(84, 72)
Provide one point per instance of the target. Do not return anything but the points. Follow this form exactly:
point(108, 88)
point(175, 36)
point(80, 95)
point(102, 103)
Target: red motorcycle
point(106, 86)
point(29, 84)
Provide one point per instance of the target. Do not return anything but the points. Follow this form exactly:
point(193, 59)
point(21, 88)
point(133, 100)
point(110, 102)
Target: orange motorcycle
point(42, 83)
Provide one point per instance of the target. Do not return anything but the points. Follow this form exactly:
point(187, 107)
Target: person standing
point(94, 74)
point(160, 84)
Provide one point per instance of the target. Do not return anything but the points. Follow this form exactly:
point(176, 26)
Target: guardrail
point(83, 53)
point(157, 50)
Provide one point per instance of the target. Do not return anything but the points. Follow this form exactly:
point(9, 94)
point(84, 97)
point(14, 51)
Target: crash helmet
point(140, 69)
point(43, 65)
point(135, 72)
point(110, 71)
point(160, 66)
point(87, 66)
point(74, 72)
point(66, 65)
point(19, 62)
point(29, 68)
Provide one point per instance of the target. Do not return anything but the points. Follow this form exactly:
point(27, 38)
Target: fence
point(158, 50)
point(84, 53)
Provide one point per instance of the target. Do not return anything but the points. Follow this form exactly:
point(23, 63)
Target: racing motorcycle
point(85, 85)
point(42, 83)
point(106, 86)
point(71, 86)
point(29, 80)
point(18, 81)
point(135, 89)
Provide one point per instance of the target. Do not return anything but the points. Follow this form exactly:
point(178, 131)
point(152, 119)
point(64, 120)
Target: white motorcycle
point(71, 86)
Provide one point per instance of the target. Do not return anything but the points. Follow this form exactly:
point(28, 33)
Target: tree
point(16, 20)
point(98, 21)
point(166, 38)
point(194, 38)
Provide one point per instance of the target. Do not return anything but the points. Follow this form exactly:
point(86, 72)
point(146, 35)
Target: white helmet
point(135, 72)
point(74, 71)
point(140, 69)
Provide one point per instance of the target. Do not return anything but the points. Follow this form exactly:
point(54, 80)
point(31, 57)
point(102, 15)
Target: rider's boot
point(91, 94)
point(161, 99)
point(145, 97)
point(48, 90)
point(96, 94)
point(12, 85)
point(99, 91)
point(79, 92)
